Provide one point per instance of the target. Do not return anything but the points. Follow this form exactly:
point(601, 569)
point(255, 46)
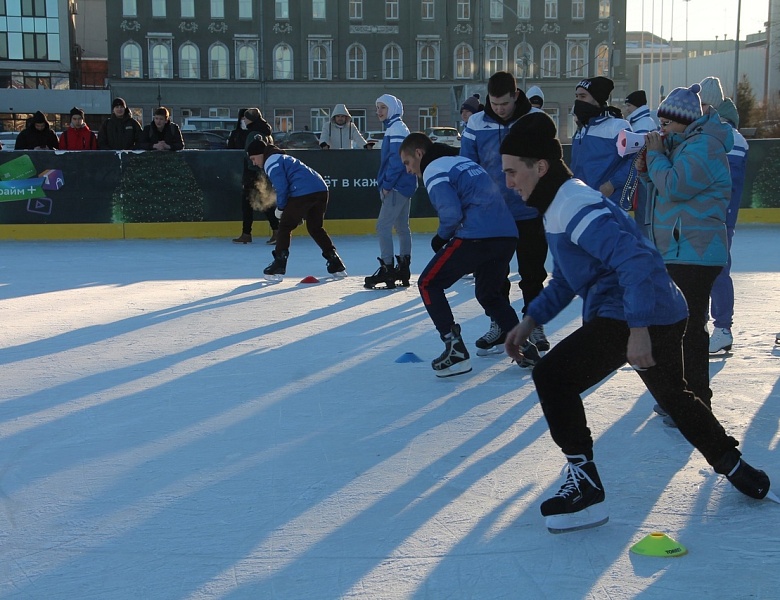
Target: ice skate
point(531, 356)
point(455, 358)
point(721, 340)
point(748, 480)
point(385, 274)
point(335, 265)
point(278, 267)
point(244, 238)
point(492, 342)
point(402, 271)
point(579, 504)
point(539, 339)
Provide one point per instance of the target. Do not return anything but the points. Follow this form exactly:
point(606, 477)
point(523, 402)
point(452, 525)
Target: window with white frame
point(318, 9)
point(359, 118)
point(218, 62)
point(605, 9)
point(550, 9)
point(246, 59)
point(355, 9)
point(282, 9)
point(283, 62)
point(391, 10)
point(428, 117)
point(283, 119)
point(577, 9)
point(555, 115)
point(523, 9)
point(320, 59)
point(244, 9)
point(427, 10)
point(131, 61)
point(464, 10)
point(356, 62)
point(577, 53)
point(158, 9)
point(495, 53)
point(187, 9)
point(392, 66)
point(129, 8)
point(319, 118)
point(217, 9)
point(496, 10)
point(160, 60)
point(550, 60)
point(464, 61)
point(427, 59)
point(602, 60)
point(524, 61)
point(189, 61)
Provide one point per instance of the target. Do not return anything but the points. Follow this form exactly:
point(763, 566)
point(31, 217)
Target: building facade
point(296, 59)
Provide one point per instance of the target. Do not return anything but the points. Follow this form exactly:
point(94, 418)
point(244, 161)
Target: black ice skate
point(492, 342)
point(335, 265)
point(385, 274)
point(531, 356)
point(402, 271)
point(579, 504)
point(455, 358)
point(748, 480)
point(539, 339)
point(278, 267)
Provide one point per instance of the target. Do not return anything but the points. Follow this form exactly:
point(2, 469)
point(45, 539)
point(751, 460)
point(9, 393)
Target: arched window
point(464, 61)
point(218, 62)
point(246, 60)
point(496, 57)
point(428, 61)
point(605, 9)
point(131, 60)
point(578, 54)
point(283, 62)
point(189, 61)
point(356, 62)
point(602, 60)
point(161, 62)
point(524, 61)
point(319, 59)
point(392, 63)
point(550, 60)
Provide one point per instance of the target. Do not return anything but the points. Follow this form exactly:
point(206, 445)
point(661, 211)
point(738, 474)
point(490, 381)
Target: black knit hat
point(637, 98)
point(119, 102)
point(598, 87)
point(77, 111)
point(256, 147)
point(533, 136)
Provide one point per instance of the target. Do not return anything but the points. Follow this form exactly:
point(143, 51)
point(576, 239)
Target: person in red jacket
point(78, 136)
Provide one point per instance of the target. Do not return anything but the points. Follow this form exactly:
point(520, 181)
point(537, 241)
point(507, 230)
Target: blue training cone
point(408, 357)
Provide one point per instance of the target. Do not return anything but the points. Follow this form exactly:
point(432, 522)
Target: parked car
point(444, 135)
point(203, 140)
point(8, 139)
point(223, 133)
point(376, 137)
point(297, 140)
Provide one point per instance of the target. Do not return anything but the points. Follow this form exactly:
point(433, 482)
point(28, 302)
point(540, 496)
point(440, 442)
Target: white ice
point(172, 426)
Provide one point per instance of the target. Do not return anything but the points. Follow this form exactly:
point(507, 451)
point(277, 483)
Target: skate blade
point(463, 366)
point(274, 278)
point(374, 287)
point(491, 351)
point(593, 516)
point(770, 495)
point(339, 274)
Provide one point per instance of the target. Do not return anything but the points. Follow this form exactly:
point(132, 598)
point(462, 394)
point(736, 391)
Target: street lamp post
point(687, 52)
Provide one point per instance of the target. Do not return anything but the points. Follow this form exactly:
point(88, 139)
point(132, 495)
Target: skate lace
point(493, 334)
point(574, 474)
point(537, 334)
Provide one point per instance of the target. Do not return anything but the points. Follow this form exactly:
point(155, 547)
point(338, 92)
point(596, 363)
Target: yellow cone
point(659, 544)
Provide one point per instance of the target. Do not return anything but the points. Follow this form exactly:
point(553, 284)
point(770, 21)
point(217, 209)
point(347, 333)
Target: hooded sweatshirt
point(31, 138)
point(341, 137)
point(392, 174)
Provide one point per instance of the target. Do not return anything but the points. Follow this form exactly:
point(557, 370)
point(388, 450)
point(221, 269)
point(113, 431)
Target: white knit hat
point(711, 91)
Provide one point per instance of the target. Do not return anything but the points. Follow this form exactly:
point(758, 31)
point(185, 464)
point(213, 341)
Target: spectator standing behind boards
point(481, 142)
point(535, 96)
point(301, 194)
point(161, 134)
point(256, 128)
point(688, 191)
point(237, 138)
point(38, 135)
point(469, 107)
point(594, 155)
point(78, 136)
point(396, 187)
point(341, 133)
point(635, 192)
point(120, 131)
point(722, 296)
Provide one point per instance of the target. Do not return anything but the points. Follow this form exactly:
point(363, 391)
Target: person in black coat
point(121, 131)
point(38, 135)
point(161, 134)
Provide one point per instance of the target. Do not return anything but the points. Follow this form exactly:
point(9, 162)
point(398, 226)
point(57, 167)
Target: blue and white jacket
point(481, 142)
point(600, 256)
point(291, 178)
point(392, 172)
point(641, 121)
point(737, 163)
point(467, 200)
point(594, 156)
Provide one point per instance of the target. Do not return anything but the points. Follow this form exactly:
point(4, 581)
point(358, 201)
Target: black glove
point(437, 243)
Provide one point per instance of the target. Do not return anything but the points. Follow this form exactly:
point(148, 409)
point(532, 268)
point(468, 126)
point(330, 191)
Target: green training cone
point(658, 544)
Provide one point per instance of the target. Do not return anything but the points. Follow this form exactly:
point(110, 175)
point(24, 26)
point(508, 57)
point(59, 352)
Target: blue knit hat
point(682, 105)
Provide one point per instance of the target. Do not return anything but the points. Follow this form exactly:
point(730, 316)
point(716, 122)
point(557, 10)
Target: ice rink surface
point(172, 426)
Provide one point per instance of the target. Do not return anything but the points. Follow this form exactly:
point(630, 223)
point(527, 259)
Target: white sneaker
point(721, 340)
